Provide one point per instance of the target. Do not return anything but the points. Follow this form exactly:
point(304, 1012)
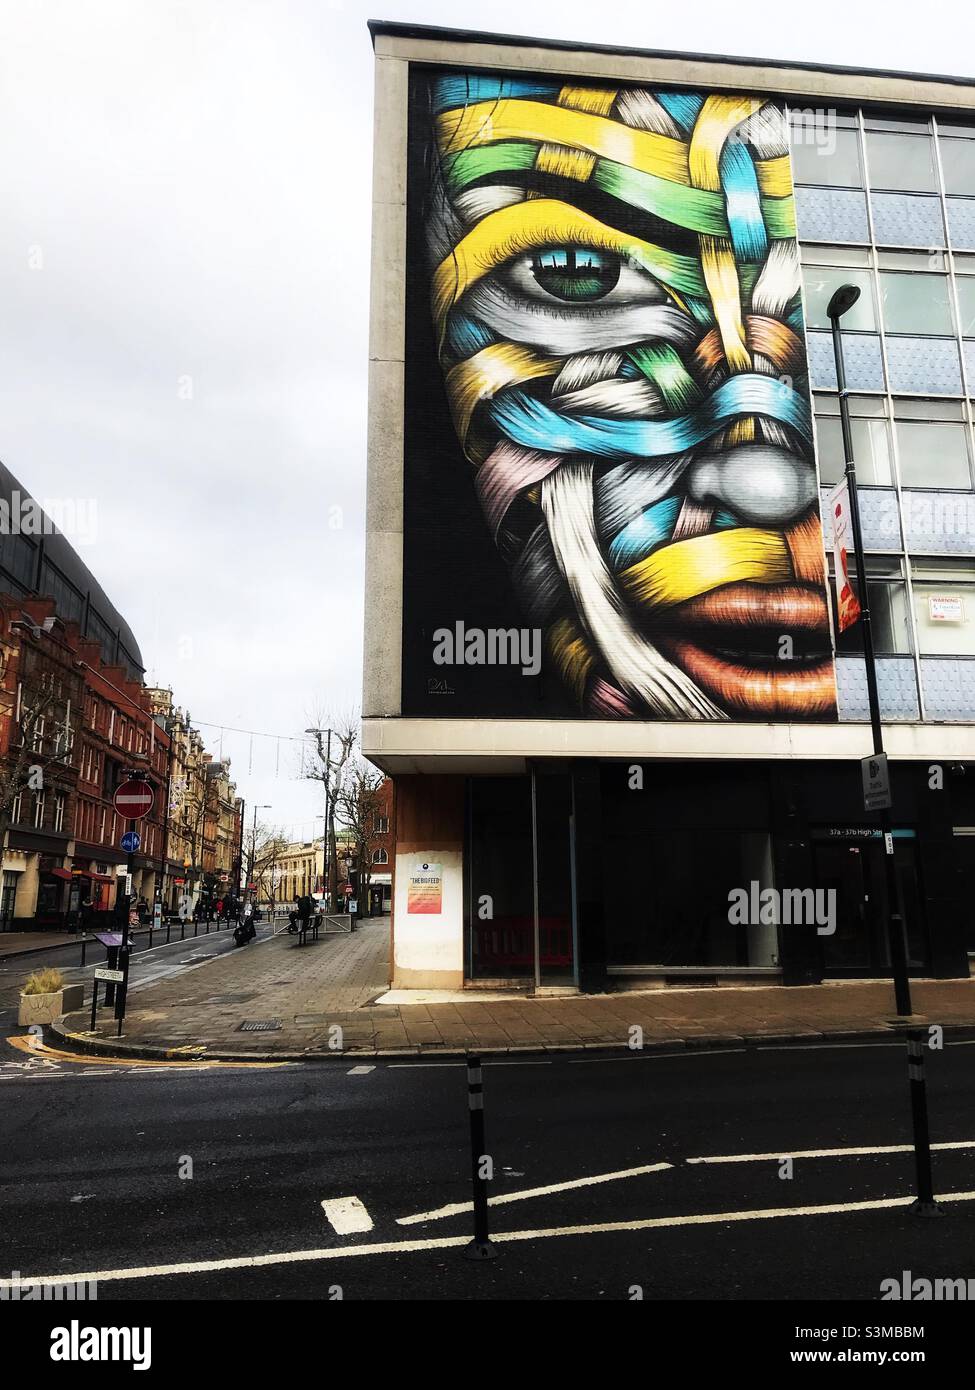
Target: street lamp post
point(841, 302)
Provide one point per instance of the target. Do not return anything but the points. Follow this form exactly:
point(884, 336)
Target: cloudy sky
point(184, 230)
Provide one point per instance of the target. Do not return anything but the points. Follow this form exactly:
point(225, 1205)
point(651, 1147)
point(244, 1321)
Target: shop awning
point(61, 873)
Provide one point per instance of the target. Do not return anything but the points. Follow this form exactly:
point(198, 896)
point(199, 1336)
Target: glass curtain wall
point(888, 204)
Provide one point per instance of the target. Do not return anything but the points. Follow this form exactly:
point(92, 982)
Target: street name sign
point(876, 782)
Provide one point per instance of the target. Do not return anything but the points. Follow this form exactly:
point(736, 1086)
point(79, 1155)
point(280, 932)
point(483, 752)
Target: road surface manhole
point(259, 1025)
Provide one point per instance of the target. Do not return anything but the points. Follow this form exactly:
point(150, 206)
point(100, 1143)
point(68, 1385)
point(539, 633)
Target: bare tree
point(358, 804)
point(335, 740)
point(262, 849)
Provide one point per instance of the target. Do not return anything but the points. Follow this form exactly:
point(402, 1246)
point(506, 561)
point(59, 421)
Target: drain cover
point(259, 1025)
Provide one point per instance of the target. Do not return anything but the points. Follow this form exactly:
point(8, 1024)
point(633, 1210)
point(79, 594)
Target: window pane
point(923, 364)
point(907, 219)
point(901, 162)
point(888, 621)
point(945, 619)
point(871, 450)
point(933, 454)
point(958, 163)
point(832, 214)
point(821, 281)
point(915, 303)
point(966, 305)
point(826, 156)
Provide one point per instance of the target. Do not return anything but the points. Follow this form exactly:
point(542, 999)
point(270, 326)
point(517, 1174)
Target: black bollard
point(480, 1248)
point(94, 1003)
point(926, 1205)
point(84, 947)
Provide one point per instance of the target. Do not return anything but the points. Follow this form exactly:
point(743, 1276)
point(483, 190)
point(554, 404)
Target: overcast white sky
point(184, 232)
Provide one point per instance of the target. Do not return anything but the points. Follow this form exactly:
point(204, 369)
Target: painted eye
point(576, 274)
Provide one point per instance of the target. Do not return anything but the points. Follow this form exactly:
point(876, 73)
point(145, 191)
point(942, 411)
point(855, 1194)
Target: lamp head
point(843, 300)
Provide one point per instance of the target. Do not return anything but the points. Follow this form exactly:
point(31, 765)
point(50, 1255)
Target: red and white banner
point(847, 604)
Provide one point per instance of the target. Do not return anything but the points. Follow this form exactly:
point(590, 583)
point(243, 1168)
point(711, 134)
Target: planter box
point(40, 1008)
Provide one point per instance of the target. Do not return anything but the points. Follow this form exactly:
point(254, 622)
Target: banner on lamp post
point(847, 604)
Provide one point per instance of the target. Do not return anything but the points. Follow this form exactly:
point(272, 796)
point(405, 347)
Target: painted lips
point(735, 650)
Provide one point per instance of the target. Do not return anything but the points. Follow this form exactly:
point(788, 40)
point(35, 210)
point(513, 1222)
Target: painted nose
point(760, 484)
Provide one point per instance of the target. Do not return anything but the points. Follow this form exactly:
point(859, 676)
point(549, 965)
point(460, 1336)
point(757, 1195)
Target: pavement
point(320, 1001)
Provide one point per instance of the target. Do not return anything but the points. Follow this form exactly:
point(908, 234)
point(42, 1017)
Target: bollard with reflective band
point(480, 1248)
point(926, 1205)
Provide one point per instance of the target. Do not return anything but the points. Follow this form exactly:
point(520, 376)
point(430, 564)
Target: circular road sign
point(133, 800)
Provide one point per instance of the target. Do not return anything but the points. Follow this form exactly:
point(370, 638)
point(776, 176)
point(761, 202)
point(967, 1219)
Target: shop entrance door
point(850, 866)
point(521, 880)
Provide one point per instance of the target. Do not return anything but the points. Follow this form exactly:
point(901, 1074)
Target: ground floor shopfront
point(599, 875)
point(61, 887)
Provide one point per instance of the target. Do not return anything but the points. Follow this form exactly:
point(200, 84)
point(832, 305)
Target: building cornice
point(813, 81)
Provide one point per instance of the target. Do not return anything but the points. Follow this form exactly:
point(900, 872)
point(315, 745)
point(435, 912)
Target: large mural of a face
point(615, 294)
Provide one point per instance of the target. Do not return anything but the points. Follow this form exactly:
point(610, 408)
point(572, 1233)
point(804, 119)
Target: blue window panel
point(879, 518)
point(903, 219)
point(896, 686)
point(831, 214)
point(861, 356)
point(940, 523)
point(961, 222)
point(949, 687)
point(924, 364)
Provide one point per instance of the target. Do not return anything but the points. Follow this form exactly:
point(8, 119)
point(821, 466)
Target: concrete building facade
point(603, 435)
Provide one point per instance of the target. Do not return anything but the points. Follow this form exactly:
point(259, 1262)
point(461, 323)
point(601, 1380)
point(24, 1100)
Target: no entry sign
point(133, 800)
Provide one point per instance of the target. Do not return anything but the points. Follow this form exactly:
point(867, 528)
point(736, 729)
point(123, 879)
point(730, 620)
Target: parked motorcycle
point(244, 931)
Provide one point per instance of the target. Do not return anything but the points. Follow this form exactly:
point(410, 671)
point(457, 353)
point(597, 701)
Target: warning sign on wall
point(425, 888)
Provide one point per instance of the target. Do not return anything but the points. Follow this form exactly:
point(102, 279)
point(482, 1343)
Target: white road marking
point(360, 1070)
point(395, 1247)
point(827, 1153)
point(455, 1207)
point(346, 1215)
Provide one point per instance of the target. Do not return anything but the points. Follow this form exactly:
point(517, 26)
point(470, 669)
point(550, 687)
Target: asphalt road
point(96, 1165)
